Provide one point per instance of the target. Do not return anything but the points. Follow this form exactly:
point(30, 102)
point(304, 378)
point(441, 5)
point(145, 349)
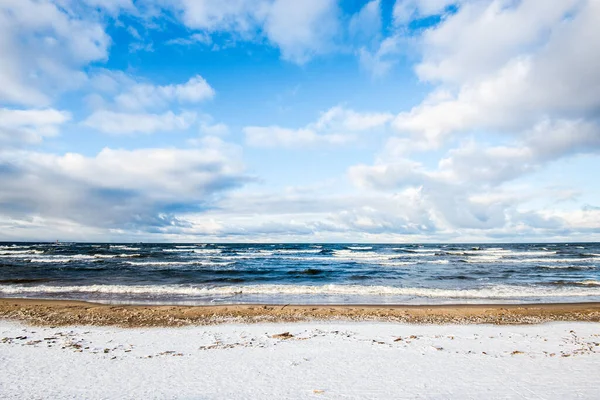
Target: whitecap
point(489, 292)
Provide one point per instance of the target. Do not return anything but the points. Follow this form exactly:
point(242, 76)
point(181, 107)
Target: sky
point(300, 121)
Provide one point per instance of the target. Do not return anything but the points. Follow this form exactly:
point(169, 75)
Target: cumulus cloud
point(546, 68)
point(123, 105)
point(300, 30)
point(406, 10)
point(533, 88)
point(337, 125)
point(112, 6)
point(234, 16)
point(195, 38)
point(126, 189)
point(472, 165)
point(380, 60)
point(275, 136)
point(30, 125)
point(366, 24)
point(116, 123)
point(42, 47)
point(476, 39)
point(142, 96)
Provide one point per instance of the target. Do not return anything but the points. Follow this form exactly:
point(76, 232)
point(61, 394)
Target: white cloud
point(381, 60)
point(142, 96)
point(240, 16)
point(302, 29)
point(275, 136)
point(42, 47)
point(112, 6)
point(344, 119)
point(116, 123)
point(195, 38)
point(545, 69)
point(473, 166)
point(483, 35)
point(218, 129)
point(365, 25)
point(472, 187)
point(143, 189)
point(335, 126)
point(30, 126)
point(406, 10)
point(142, 107)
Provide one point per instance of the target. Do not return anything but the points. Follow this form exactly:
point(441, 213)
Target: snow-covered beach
point(350, 360)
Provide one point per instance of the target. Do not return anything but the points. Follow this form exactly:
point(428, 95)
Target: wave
point(503, 253)
point(123, 255)
point(483, 259)
point(297, 251)
point(194, 250)
point(14, 247)
point(360, 248)
point(178, 263)
point(405, 250)
point(127, 248)
point(589, 282)
point(49, 258)
point(349, 254)
point(177, 250)
point(567, 267)
point(493, 292)
point(491, 259)
point(19, 252)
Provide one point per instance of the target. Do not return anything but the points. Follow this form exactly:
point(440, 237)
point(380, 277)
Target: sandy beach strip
point(63, 313)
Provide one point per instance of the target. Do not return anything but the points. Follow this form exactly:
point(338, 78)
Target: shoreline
point(77, 313)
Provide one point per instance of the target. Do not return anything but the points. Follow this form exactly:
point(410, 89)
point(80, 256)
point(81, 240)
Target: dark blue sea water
point(302, 273)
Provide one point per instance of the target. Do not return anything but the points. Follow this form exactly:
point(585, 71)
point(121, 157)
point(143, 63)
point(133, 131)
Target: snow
point(350, 360)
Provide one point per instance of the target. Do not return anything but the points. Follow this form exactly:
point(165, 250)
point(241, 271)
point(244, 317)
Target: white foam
point(177, 250)
point(123, 255)
point(127, 248)
point(297, 251)
point(177, 263)
point(207, 251)
point(432, 251)
point(19, 252)
point(559, 266)
point(483, 259)
point(362, 255)
point(52, 258)
point(491, 292)
point(360, 247)
point(499, 259)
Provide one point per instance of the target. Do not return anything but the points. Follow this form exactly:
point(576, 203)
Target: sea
point(200, 274)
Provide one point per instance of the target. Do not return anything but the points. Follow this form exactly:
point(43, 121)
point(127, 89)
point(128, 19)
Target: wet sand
point(62, 313)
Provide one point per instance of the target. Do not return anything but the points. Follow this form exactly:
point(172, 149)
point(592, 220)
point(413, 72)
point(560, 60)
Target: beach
point(319, 359)
point(296, 321)
point(69, 349)
point(65, 312)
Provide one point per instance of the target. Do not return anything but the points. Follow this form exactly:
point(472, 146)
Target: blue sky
point(312, 121)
